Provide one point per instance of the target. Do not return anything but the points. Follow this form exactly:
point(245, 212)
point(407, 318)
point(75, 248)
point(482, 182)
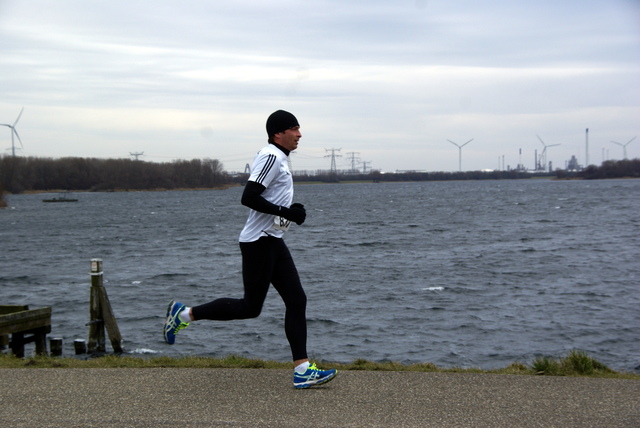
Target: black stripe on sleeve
point(271, 159)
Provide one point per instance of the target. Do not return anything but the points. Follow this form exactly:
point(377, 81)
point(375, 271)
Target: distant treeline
point(20, 174)
point(612, 169)
point(378, 176)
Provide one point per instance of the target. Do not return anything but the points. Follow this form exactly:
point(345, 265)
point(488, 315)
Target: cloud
point(390, 80)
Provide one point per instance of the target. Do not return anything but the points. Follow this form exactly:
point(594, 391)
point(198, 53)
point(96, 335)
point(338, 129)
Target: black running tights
point(265, 261)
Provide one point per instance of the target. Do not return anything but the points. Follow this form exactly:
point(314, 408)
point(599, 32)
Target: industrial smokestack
point(586, 163)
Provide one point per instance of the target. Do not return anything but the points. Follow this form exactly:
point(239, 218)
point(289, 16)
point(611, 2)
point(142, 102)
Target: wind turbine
point(624, 146)
point(14, 132)
point(460, 152)
point(543, 155)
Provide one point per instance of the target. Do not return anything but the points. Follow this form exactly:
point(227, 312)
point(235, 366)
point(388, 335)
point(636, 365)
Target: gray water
point(468, 274)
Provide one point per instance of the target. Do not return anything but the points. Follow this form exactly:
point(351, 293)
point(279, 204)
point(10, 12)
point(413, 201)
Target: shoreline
point(304, 183)
point(575, 364)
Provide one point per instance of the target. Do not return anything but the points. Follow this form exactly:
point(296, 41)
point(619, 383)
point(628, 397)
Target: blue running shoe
point(173, 324)
point(313, 376)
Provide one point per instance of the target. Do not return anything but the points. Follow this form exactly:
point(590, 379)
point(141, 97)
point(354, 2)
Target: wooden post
point(101, 314)
point(96, 324)
point(9, 309)
point(110, 322)
point(40, 339)
point(17, 344)
point(55, 345)
point(80, 346)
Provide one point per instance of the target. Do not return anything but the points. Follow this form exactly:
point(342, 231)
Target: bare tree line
point(612, 169)
point(20, 174)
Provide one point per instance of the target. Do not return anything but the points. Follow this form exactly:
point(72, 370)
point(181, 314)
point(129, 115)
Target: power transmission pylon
point(364, 166)
point(353, 159)
point(136, 154)
point(333, 157)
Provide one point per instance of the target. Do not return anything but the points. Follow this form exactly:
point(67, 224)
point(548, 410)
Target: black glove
point(296, 213)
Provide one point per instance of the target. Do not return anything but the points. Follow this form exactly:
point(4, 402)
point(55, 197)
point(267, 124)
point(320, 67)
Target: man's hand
point(296, 213)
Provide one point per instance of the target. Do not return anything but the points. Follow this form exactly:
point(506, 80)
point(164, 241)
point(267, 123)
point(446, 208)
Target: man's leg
point(286, 281)
point(257, 267)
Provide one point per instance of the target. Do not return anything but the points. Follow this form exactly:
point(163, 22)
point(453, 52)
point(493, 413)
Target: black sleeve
point(252, 198)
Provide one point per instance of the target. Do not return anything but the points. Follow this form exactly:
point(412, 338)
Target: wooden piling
point(96, 324)
point(101, 314)
point(80, 346)
point(8, 309)
point(55, 346)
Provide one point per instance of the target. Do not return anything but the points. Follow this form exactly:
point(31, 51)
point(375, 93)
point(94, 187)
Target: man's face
point(289, 138)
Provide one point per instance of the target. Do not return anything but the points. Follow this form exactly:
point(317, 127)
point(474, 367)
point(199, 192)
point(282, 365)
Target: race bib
point(281, 223)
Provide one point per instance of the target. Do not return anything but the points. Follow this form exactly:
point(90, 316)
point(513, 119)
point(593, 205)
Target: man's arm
point(252, 198)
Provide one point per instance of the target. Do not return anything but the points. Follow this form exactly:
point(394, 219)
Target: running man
point(265, 256)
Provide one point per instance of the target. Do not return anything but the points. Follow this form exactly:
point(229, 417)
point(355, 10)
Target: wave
point(143, 351)
point(171, 275)
point(531, 278)
point(321, 321)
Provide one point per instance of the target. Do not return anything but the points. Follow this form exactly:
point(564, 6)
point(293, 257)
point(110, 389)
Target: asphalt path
point(163, 397)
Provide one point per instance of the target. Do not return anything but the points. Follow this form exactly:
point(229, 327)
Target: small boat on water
point(62, 197)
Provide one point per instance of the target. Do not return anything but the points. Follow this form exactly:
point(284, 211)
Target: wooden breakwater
point(102, 317)
point(19, 325)
point(24, 325)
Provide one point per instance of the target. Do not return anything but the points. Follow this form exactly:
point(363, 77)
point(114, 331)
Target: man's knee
point(299, 303)
point(252, 311)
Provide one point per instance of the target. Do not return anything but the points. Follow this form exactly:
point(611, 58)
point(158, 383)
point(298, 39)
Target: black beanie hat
point(280, 121)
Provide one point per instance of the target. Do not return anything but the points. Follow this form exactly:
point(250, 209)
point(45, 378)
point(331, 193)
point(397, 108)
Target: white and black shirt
point(270, 169)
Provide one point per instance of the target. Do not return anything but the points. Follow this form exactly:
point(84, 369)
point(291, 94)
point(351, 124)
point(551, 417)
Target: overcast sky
point(387, 82)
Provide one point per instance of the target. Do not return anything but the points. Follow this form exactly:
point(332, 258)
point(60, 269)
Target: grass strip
point(576, 363)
